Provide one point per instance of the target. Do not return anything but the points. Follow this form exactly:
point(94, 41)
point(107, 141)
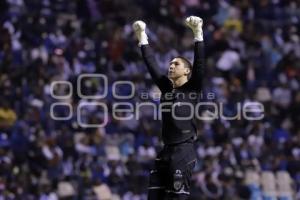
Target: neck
point(179, 81)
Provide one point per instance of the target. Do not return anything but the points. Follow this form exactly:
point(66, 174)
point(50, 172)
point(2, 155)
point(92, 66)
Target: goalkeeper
point(170, 178)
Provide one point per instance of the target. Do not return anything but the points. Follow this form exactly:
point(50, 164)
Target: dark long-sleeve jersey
point(177, 104)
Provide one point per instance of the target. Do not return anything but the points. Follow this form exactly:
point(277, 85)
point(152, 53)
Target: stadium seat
point(284, 185)
point(268, 185)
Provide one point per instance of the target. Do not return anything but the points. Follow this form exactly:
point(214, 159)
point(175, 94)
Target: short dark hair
point(186, 62)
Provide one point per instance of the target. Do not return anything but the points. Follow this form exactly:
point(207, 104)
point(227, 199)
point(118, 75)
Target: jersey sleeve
point(195, 81)
point(159, 78)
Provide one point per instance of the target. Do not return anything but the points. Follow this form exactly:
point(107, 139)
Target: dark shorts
point(173, 170)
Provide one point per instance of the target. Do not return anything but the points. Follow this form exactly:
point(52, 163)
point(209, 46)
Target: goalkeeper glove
point(139, 28)
point(195, 23)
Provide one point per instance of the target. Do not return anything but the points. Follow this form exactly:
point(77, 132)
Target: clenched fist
point(195, 23)
point(139, 28)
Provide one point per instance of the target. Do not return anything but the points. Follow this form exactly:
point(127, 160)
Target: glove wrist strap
point(198, 35)
point(143, 39)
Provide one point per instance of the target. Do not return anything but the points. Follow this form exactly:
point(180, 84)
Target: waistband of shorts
point(185, 142)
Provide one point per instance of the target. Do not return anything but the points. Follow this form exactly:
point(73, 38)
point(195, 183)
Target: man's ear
point(187, 71)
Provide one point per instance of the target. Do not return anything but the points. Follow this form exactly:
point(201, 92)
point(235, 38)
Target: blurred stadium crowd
point(252, 55)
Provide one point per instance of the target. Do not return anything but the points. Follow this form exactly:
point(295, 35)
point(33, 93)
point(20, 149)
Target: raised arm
point(150, 62)
point(195, 23)
point(159, 78)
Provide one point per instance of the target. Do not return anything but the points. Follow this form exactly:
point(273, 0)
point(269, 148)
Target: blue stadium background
point(252, 55)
